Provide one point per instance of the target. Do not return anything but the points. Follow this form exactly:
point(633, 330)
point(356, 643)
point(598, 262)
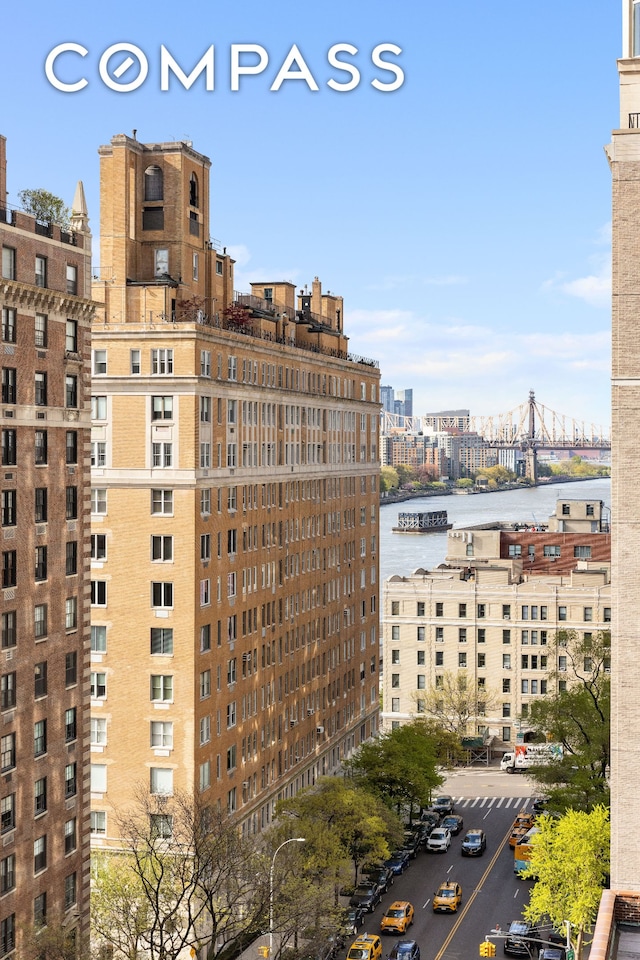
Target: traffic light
point(487, 949)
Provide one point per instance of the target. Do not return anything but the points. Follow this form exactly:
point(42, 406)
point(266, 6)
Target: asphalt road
point(492, 894)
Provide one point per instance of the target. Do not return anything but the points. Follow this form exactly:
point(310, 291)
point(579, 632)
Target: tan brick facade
point(235, 514)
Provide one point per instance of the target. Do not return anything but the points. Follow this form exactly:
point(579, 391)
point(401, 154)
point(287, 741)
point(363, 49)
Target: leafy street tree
point(55, 941)
point(496, 475)
point(577, 715)
point(45, 206)
point(570, 859)
point(342, 824)
point(389, 479)
point(400, 767)
point(187, 879)
point(455, 701)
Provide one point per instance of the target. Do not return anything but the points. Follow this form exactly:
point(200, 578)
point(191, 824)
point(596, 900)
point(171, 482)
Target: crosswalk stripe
point(468, 802)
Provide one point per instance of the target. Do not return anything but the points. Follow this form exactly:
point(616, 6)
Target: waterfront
point(403, 553)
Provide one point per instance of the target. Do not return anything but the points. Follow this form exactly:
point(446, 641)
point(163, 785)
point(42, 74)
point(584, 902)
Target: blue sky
point(464, 217)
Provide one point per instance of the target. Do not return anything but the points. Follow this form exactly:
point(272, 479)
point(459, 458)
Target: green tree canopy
point(577, 715)
point(570, 860)
point(400, 767)
point(340, 822)
point(45, 206)
point(389, 479)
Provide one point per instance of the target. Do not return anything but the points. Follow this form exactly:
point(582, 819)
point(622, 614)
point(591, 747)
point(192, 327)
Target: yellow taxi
point(521, 825)
point(366, 947)
point(398, 917)
point(448, 897)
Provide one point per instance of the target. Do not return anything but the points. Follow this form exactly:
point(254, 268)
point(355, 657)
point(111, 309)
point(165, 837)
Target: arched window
point(153, 183)
point(193, 190)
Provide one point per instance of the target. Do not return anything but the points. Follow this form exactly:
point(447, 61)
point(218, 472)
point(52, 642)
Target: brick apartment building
point(44, 606)
point(491, 612)
point(234, 546)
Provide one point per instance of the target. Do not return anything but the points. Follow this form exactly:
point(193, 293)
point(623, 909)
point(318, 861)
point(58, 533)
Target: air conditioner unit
point(245, 784)
point(319, 729)
point(292, 723)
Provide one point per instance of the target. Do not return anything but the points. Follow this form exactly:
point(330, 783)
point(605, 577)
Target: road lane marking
point(461, 915)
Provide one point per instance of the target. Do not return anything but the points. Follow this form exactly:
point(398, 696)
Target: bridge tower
point(529, 443)
point(623, 154)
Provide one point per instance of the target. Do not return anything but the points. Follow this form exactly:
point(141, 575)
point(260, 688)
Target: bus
point(522, 852)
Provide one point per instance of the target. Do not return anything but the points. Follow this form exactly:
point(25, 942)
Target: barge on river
point(430, 522)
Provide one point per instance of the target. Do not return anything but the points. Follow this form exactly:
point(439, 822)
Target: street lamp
point(273, 863)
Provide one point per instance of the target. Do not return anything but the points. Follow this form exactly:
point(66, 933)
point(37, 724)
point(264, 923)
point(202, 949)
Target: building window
point(41, 330)
point(551, 550)
point(606, 614)
point(161, 549)
point(9, 624)
point(395, 679)
point(420, 608)
point(162, 363)
point(153, 218)
point(71, 558)
point(9, 508)
point(161, 780)
point(8, 813)
point(153, 183)
point(8, 385)
point(162, 408)
point(462, 609)
point(40, 797)
point(439, 634)
point(98, 823)
point(98, 731)
point(161, 593)
point(98, 685)
point(70, 835)
point(98, 778)
point(71, 613)
point(98, 593)
point(162, 688)
point(9, 324)
point(506, 661)
point(161, 733)
point(506, 685)
point(162, 502)
point(70, 725)
point(506, 734)
point(9, 448)
point(587, 614)
point(205, 684)
point(69, 889)
point(162, 455)
point(162, 641)
point(40, 679)
point(562, 613)
point(8, 751)
point(134, 362)
point(8, 263)
point(99, 362)
point(161, 258)
point(70, 780)
point(439, 609)
point(40, 448)
point(482, 611)
point(231, 714)
point(98, 453)
point(41, 271)
point(71, 503)
point(462, 659)
point(40, 505)
point(9, 568)
point(7, 691)
point(40, 568)
point(506, 709)
point(420, 634)
point(70, 668)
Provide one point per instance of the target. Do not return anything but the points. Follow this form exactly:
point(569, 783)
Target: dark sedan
point(443, 805)
point(353, 920)
point(367, 896)
point(398, 862)
point(405, 950)
point(453, 823)
point(382, 876)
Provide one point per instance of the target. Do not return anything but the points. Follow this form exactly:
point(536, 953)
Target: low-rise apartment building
point(485, 613)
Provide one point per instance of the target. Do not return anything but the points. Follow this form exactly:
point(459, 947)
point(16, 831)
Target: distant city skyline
point(464, 218)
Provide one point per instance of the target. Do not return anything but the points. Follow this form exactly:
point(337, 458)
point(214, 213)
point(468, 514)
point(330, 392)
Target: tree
point(455, 701)
point(570, 860)
point(401, 766)
point(45, 206)
point(341, 823)
point(187, 875)
point(389, 479)
point(498, 474)
point(577, 715)
point(55, 941)
point(117, 892)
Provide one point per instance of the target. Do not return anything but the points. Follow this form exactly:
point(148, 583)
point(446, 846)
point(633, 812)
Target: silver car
point(439, 840)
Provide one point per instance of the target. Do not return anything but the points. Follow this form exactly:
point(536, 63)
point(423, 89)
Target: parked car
point(411, 843)
point(453, 822)
point(398, 862)
point(474, 843)
point(443, 805)
point(431, 818)
point(366, 947)
point(367, 896)
point(398, 917)
point(551, 953)
point(520, 939)
point(405, 950)
point(540, 804)
point(353, 920)
point(381, 875)
point(439, 840)
point(448, 897)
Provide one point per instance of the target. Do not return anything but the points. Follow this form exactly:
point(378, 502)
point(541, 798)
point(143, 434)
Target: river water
point(402, 553)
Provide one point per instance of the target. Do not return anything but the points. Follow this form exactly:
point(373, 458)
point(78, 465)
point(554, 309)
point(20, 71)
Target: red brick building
point(44, 555)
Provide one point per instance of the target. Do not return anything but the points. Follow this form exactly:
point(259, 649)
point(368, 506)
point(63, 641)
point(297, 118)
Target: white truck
point(526, 755)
